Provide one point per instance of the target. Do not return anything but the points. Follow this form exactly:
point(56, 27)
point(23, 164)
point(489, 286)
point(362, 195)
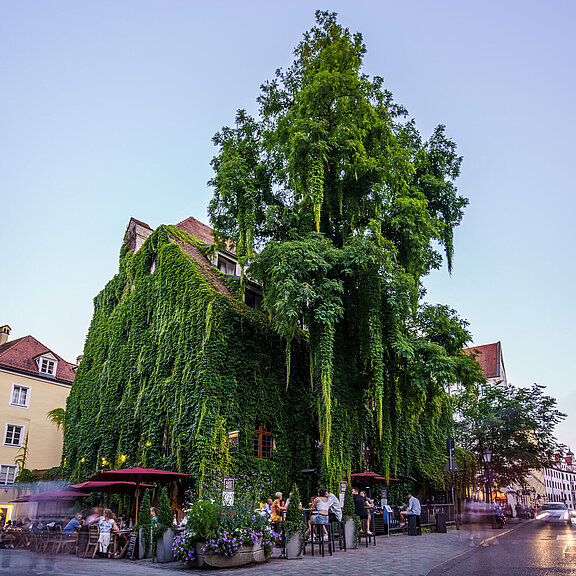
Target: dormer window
point(226, 266)
point(47, 364)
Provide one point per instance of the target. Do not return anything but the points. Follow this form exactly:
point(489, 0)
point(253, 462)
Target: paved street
point(530, 550)
point(400, 555)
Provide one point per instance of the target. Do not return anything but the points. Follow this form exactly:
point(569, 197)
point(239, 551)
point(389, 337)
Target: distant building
point(490, 358)
point(33, 381)
point(560, 481)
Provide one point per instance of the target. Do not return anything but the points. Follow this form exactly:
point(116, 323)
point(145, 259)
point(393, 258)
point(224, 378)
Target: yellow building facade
point(33, 381)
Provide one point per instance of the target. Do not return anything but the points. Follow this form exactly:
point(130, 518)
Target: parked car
point(554, 512)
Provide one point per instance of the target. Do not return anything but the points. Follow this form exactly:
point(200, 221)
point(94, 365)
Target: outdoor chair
point(69, 542)
point(336, 534)
point(364, 530)
point(317, 539)
point(93, 537)
point(53, 540)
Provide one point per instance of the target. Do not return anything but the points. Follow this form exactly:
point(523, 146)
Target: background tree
point(515, 424)
point(339, 207)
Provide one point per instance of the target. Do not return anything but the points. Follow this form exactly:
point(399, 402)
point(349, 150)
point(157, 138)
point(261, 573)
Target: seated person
point(267, 507)
point(319, 514)
point(413, 509)
point(73, 525)
point(335, 508)
point(360, 510)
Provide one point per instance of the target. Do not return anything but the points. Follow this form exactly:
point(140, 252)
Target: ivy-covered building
point(182, 371)
point(177, 366)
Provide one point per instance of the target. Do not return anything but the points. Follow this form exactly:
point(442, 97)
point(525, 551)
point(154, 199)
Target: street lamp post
point(487, 457)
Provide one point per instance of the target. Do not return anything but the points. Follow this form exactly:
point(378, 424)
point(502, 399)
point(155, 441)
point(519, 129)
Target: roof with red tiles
point(140, 222)
point(489, 356)
point(21, 355)
point(196, 228)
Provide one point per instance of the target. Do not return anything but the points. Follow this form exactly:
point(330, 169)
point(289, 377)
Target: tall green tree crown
point(337, 206)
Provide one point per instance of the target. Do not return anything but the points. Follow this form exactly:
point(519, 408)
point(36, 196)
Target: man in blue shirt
point(74, 524)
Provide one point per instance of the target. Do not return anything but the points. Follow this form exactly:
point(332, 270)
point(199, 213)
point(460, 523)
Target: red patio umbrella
point(113, 486)
point(373, 478)
point(51, 495)
point(139, 475)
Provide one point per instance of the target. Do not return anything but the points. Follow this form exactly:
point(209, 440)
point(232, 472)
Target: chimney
point(4, 333)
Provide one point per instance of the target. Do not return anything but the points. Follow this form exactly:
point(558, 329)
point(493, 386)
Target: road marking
point(566, 537)
point(569, 550)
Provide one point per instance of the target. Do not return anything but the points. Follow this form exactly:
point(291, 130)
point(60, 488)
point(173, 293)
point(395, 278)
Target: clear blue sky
point(107, 109)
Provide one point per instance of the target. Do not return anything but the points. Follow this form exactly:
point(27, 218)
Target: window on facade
point(14, 435)
point(368, 456)
point(253, 299)
point(47, 366)
point(226, 266)
point(19, 395)
point(263, 442)
point(7, 474)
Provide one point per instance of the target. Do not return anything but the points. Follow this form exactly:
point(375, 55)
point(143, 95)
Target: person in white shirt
point(414, 508)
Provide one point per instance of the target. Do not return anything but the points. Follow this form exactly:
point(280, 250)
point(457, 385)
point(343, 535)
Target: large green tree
point(339, 208)
point(515, 424)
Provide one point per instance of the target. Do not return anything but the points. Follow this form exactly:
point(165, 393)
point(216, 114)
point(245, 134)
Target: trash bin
point(440, 522)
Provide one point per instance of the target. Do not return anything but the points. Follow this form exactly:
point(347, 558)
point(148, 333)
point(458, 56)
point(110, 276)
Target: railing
point(387, 523)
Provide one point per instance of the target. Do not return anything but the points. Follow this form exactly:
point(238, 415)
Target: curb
point(485, 541)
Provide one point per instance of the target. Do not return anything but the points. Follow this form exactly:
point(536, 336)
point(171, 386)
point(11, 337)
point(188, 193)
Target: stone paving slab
point(398, 555)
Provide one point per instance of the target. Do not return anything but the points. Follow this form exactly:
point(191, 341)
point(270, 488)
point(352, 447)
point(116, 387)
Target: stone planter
point(164, 551)
point(294, 546)
point(247, 555)
point(350, 534)
point(141, 547)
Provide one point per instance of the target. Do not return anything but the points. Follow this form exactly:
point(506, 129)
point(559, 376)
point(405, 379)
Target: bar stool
point(364, 531)
point(318, 531)
point(337, 534)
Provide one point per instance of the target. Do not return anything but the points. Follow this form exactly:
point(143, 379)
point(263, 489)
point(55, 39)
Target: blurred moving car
point(554, 512)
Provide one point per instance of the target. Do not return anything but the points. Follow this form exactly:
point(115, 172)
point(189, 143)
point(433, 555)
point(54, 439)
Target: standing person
point(320, 505)
point(277, 508)
point(153, 516)
point(106, 525)
point(360, 510)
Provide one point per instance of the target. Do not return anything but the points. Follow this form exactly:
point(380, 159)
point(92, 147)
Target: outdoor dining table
point(121, 541)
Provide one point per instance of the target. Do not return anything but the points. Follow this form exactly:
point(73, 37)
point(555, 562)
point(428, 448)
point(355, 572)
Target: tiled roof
point(139, 222)
point(489, 357)
point(20, 355)
point(196, 228)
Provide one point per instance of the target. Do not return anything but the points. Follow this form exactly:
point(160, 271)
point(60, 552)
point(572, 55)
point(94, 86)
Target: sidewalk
point(398, 555)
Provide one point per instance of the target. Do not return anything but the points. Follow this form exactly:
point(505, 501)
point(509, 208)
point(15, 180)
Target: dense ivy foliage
point(338, 206)
point(171, 365)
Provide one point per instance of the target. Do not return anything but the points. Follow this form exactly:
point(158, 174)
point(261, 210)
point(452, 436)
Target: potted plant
point(144, 527)
point(293, 527)
point(217, 537)
point(351, 521)
point(163, 533)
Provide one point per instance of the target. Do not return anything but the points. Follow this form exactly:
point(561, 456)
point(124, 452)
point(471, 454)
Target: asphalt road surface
point(532, 549)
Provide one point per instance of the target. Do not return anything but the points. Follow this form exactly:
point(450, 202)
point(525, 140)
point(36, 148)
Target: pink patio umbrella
point(138, 475)
point(52, 495)
point(373, 478)
point(112, 486)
